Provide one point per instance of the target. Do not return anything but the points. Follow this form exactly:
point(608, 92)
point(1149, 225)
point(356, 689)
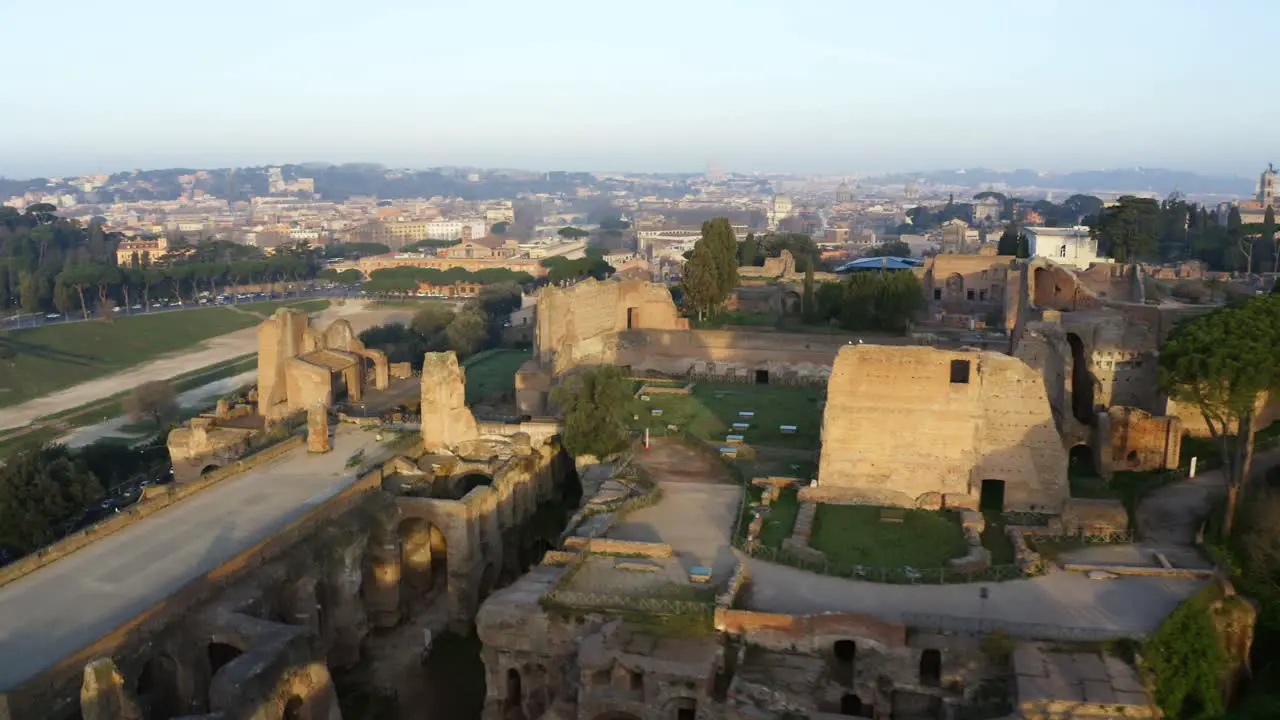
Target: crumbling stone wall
point(446, 419)
point(202, 443)
point(578, 325)
point(1136, 440)
point(904, 422)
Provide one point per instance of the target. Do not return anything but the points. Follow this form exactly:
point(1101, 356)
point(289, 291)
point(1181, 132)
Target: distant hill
point(1156, 180)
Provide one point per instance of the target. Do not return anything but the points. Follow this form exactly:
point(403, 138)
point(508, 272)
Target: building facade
point(1074, 246)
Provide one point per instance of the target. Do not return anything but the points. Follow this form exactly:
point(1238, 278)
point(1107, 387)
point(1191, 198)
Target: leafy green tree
point(41, 489)
point(1008, 243)
point(431, 320)
point(875, 300)
point(467, 332)
point(749, 251)
point(719, 240)
point(596, 404)
point(569, 232)
point(499, 228)
point(801, 246)
point(700, 281)
point(896, 248)
point(1129, 230)
point(80, 278)
point(1220, 363)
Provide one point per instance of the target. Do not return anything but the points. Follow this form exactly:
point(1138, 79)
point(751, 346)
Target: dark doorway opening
point(219, 655)
point(762, 377)
point(1081, 382)
point(851, 704)
point(156, 690)
point(632, 320)
point(293, 709)
point(992, 496)
point(959, 372)
point(1080, 462)
point(512, 706)
point(686, 709)
point(1132, 459)
point(931, 668)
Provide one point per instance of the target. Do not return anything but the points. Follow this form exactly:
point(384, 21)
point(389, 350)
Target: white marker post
point(646, 438)
point(1193, 467)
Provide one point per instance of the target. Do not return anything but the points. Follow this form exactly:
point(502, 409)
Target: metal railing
point(896, 576)
point(1025, 630)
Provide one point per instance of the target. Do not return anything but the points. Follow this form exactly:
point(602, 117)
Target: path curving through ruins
point(1173, 514)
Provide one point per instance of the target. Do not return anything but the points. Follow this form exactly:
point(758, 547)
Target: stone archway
point(294, 709)
point(220, 655)
point(460, 485)
point(415, 557)
point(157, 688)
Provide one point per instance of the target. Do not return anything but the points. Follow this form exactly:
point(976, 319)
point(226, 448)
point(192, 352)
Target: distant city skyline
point(804, 87)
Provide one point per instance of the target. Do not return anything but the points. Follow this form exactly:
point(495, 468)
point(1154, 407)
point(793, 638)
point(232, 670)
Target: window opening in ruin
point(931, 668)
point(635, 682)
point(293, 709)
point(762, 377)
point(959, 372)
point(515, 693)
point(846, 652)
point(1132, 458)
point(992, 496)
point(982, 295)
point(686, 709)
point(219, 655)
point(851, 704)
point(1081, 382)
point(937, 293)
point(968, 295)
point(632, 320)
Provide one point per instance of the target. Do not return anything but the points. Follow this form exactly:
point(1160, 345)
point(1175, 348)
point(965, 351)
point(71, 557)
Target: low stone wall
point(1143, 570)
point(1093, 517)
point(38, 696)
point(664, 390)
point(609, 546)
point(1028, 561)
point(977, 558)
point(151, 503)
point(807, 633)
point(798, 543)
point(729, 596)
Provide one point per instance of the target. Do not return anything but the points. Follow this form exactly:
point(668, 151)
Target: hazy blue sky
point(774, 85)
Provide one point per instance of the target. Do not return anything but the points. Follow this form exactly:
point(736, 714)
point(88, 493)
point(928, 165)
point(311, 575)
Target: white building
point(454, 229)
point(1073, 246)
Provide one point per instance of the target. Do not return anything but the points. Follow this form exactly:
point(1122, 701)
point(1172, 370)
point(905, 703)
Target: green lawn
point(781, 520)
point(854, 535)
point(42, 360)
point(710, 411)
point(492, 373)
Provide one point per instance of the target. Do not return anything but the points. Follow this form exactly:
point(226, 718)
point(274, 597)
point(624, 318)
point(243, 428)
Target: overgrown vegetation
point(437, 327)
point(596, 405)
point(883, 301)
point(1186, 660)
point(41, 489)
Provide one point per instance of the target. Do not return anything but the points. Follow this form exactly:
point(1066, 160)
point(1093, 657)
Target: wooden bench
point(893, 515)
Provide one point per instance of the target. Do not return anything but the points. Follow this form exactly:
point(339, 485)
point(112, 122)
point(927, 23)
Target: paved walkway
point(69, 604)
point(1125, 605)
point(1173, 514)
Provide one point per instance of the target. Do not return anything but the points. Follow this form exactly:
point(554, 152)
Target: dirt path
point(1172, 515)
point(211, 352)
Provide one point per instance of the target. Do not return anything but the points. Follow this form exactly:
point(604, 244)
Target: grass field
point(492, 373)
point(711, 410)
point(46, 359)
point(781, 520)
point(854, 535)
point(54, 426)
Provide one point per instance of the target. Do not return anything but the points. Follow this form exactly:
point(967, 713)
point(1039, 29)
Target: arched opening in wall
point(991, 496)
point(295, 709)
point(220, 654)
point(762, 377)
point(466, 483)
point(851, 704)
point(513, 704)
point(791, 303)
point(209, 468)
point(415, 557)
point(931, 668)
point(846, 653)
point(1131, 459)
point(156, 689)
point(1080, 462)
point(1081, 382)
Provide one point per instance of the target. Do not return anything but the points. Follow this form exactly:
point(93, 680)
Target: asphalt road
point(68, 605)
